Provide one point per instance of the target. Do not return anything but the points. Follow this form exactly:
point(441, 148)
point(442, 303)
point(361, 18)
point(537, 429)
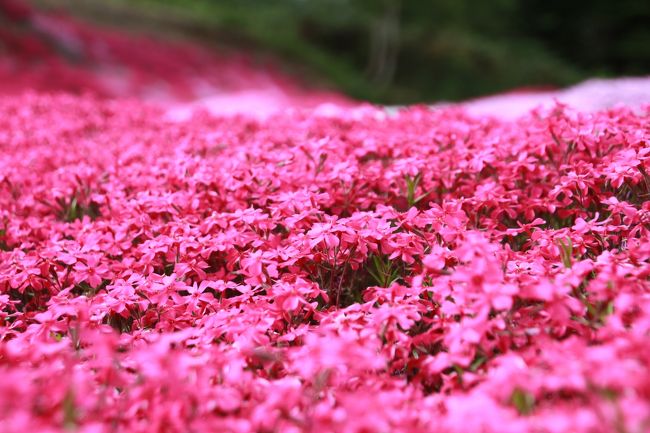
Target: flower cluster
point(45, 51)
point(322, 271)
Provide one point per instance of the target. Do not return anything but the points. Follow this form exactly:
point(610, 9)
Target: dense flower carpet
point(321, 270)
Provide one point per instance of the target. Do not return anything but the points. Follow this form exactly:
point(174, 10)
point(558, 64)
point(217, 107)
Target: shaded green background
point(406, 51)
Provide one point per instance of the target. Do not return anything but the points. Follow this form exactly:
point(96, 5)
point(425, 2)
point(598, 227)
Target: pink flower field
point(325, 267)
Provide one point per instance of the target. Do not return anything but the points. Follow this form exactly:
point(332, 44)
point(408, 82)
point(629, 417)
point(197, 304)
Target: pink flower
point(91, 270)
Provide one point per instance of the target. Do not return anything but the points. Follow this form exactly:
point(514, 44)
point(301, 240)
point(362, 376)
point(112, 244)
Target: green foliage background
point(406, 51)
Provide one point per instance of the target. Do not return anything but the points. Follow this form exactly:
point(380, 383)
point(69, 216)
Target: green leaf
point(566, 252)
point(69, 411)
point(478, 361)
point(412, 183)
point(523, 401)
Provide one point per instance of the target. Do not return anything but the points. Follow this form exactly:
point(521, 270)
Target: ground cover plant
point(331, 269)
point(322, 272)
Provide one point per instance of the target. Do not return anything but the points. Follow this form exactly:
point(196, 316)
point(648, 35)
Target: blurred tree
point(405, 51)
point(603, 35)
